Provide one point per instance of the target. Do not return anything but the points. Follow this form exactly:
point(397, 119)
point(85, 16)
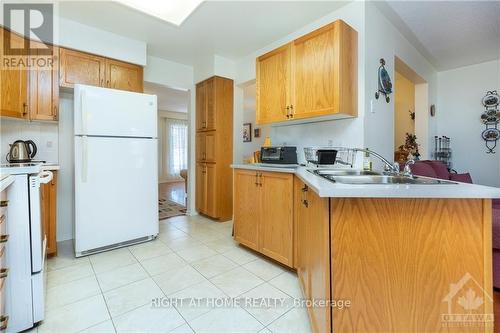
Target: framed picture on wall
point(256, 133)
point(247, 132)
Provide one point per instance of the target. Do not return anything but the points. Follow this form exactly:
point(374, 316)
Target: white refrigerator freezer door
point(109, 112)
point(116, 191)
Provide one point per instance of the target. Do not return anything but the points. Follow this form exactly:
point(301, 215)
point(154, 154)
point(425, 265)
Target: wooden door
point(44, 85)
point(273, 85)
point(124, 76)
point(201, 106)
point(211, 190)
point(80, 67)
point(49, 213)
point(314, 66)
point(200, 147)
point(210, 112)
point(318, 259)
point(13, 81)
point(210, 146)
point(276, 222)
point(301, 236)
point(201, 185)
point(247, 208)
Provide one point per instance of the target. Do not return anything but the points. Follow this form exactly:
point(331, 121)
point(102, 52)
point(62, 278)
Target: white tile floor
point(193, 258)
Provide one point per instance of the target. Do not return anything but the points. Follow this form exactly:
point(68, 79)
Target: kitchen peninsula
point(393, 250)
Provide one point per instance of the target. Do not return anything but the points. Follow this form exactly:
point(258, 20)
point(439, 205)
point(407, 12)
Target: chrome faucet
point(390, 168)
point(407, 170)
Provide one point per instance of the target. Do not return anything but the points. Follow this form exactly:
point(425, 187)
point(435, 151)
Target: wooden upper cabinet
point(124, 76)
point(13, 82)
point(210, 112)
point(325, 72)
point(201, 106)
point(44, 86)
point(84, 68)
point(274, 85)
point(79, 67)
point(315, 75)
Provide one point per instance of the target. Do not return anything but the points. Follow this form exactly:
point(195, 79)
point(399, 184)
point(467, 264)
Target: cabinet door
point(314, 66)
point(210, 112)
point(201, 106)
point(201, 185)
point(301, 236)
point(13, 82)
point(211, 190)
point(200, 147)
point(83, 68)
point(124, 76)
point(273, 85)
point(44, 87)
point(318, 261)
point(246, 208)
point(49, 213)
point(276, 223)
point(210, 146)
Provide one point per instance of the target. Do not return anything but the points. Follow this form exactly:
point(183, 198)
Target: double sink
point(361, 177)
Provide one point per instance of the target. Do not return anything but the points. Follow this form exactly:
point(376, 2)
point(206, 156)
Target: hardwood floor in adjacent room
point(175, 191)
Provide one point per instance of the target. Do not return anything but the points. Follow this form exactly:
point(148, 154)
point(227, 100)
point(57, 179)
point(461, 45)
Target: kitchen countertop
point(324, 188)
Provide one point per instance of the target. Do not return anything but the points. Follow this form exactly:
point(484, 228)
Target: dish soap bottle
point(367, 162)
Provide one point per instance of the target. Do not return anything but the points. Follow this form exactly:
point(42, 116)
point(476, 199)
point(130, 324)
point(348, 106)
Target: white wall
point(44, 134)
point(383, 40)
point(168, 73)
point(458, 113)
point(85, 38)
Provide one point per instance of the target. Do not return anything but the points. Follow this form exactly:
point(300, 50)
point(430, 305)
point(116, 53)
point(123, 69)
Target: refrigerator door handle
point(83, 113)
point(84, 158)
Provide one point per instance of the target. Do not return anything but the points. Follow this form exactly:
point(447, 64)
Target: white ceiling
point(231, 29)
point(452, 33)
point(168, 99)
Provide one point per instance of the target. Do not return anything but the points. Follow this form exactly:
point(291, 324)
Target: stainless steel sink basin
point(359, 177)
point(346, 172)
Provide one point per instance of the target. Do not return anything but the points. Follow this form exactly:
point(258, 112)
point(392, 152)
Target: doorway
point(173, 143)
point(410, 116)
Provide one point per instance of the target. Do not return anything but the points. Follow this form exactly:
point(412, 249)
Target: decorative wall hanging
point(247, 132)
point(491, 118)
point(384, 82)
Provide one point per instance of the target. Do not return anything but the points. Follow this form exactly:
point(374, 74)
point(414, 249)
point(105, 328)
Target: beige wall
point(404, 100)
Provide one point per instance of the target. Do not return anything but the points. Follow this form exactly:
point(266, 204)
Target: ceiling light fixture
point(172, 11)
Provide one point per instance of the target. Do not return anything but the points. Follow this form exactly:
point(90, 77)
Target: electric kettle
point(21, 151)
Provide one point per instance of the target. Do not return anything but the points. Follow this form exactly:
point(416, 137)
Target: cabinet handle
point(4, 320)
point(260, 176)
point(3, 273)
point(305, 189)
point(291, 111)
point(287, 112)
point(4, 239)
point(2, 219)
point(256, 179)
point(107, 83)
point(25, 109)
point(4, 203)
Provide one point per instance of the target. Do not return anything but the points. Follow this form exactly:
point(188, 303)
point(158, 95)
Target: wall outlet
point(49, 144)
point(330, 143)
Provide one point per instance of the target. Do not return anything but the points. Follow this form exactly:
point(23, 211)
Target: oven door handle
point(46, 177)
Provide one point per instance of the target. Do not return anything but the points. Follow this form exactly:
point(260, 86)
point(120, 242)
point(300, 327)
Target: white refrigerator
point(116, 169)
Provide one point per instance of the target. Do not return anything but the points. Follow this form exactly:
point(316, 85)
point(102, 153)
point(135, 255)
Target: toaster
point(279, 155)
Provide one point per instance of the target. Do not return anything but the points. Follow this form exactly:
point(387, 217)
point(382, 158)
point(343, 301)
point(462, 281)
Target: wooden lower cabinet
point(206, 187)
point(263, 213)
point(312, 225)
point(49, 213)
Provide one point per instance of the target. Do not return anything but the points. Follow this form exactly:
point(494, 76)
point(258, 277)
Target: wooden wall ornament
point(490, 118)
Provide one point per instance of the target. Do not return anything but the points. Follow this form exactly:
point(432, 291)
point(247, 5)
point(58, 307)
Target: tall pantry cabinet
point(214, 148)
